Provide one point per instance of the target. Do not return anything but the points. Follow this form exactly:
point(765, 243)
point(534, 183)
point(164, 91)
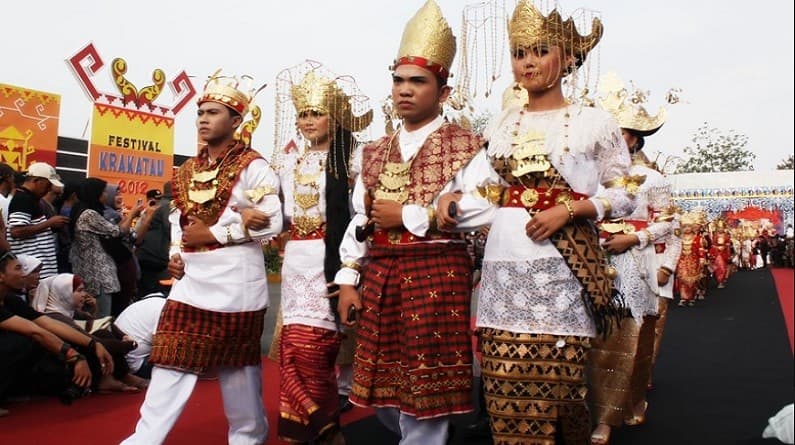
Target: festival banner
point(28, 126)
point(132, 138)
point(131, 148)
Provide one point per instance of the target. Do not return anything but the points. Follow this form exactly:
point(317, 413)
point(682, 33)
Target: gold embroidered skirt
point(619, 369)
point(535, 388)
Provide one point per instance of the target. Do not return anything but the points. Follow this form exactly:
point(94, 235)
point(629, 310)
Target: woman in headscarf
point(89, 258)
point(63, 297)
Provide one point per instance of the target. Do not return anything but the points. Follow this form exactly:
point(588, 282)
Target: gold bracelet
point(606, 207)
point(666, 270)
point(351, 265)
point(570, 209)
point(228, 234)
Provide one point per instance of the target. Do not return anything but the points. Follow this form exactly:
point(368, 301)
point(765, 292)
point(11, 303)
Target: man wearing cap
point(226, 201)
point(29, 231)
point(152, 240)
point(413, 359)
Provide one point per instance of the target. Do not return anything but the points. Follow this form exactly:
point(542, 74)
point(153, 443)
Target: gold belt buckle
point(529, 198)
point(394, 236)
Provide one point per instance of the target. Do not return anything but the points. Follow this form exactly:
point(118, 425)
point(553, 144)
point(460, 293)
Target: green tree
point(786, 164)
point(714, 150)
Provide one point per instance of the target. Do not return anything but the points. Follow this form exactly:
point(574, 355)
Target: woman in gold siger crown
point(546, 288)
point(315, 176)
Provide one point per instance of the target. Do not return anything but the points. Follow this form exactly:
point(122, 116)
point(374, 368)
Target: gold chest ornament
point(394, 182)
point(529, 155)
point(203, 186)
point(305, 224)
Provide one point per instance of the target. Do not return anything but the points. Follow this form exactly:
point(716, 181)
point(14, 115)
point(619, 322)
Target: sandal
point(601, 435)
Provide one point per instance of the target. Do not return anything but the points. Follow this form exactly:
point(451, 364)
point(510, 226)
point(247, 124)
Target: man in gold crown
point(620, 364)
point(413, 358)
point(226, 201)
point(546, 288)
point(315, 184)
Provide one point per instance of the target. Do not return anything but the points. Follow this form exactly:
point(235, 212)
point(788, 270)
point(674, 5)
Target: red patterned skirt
point(414, 348)
point(308, 403)
point(194, 340)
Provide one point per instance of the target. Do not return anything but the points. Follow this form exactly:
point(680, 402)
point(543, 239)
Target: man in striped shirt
point(29, 231)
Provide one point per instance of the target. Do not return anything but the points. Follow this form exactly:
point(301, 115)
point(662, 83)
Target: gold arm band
point(351, 265)
point(606, 207)
point(666, 270)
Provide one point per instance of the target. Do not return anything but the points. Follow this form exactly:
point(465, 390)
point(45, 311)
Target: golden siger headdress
point(226, 91)
point(627, 106)
point(427, 42)
point(528, 27)
point(695, 217)
point(322, 95)
point(309, 86)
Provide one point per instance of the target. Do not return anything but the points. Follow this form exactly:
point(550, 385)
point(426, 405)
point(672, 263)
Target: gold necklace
point(198, 190)
point(305, 224)
point(395, 177)
point(529, 155)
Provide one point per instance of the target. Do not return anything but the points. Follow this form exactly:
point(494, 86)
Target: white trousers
point(413, 431)
point(170, 390)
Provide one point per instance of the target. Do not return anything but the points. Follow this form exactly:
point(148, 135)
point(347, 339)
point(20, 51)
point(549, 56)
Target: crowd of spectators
point(83, 278)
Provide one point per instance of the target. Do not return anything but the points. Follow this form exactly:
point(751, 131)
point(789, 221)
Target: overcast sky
point(733, 60)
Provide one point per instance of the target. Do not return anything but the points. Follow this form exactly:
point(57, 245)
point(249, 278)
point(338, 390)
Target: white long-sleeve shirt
point(231, 278)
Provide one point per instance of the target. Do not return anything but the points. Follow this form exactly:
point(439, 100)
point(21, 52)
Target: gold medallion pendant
point(529, 155)
point(393, 182)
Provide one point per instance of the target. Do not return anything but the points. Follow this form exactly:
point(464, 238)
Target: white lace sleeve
point(613, 162)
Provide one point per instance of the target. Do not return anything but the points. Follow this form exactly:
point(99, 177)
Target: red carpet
point(107, 419)
point(786, 292)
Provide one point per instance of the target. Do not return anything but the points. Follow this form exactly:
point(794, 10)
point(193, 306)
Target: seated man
point(23, 334)
point(138, 323)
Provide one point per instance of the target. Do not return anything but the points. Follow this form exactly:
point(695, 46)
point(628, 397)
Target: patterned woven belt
point(397, 236)
point(319, 233)
point(538, 198)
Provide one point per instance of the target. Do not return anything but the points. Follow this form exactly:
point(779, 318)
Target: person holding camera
point(152, 240)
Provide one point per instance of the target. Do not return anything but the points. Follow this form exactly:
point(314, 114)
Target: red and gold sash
point(446, 151)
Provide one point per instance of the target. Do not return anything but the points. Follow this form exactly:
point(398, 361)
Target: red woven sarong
point(193, 340)
point(308, 403)
point(414, 350)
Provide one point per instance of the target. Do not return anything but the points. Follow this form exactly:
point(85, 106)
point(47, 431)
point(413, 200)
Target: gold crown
point(224, 90)
point(694, 217)
point(528, 27)
point(324, 96)
point(627, 108)
point(428, 41)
